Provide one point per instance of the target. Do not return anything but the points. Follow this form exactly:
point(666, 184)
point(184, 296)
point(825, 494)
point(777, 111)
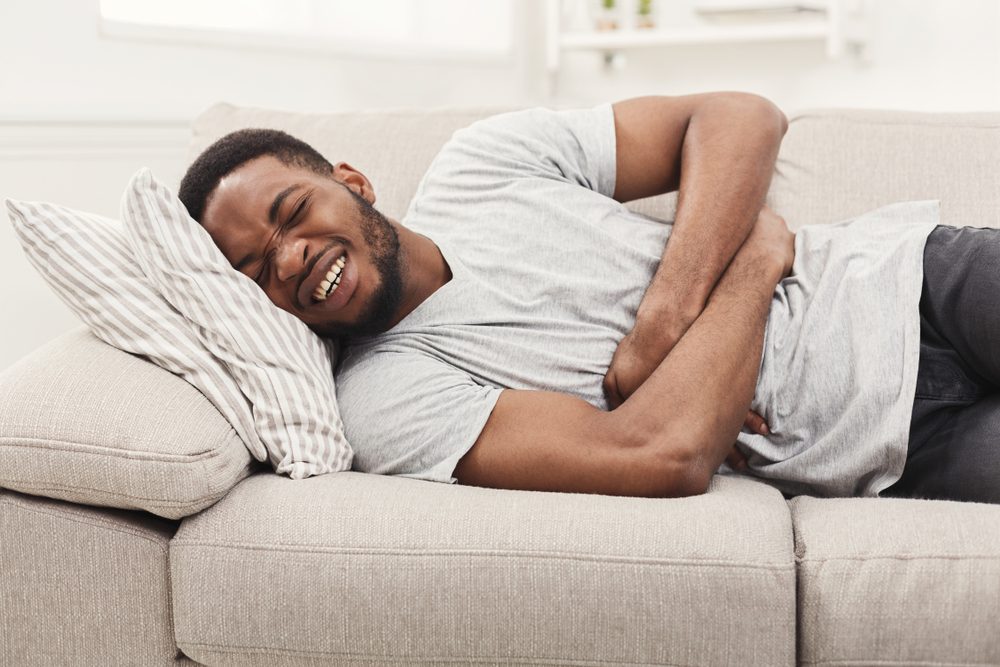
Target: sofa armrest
point(83, 421)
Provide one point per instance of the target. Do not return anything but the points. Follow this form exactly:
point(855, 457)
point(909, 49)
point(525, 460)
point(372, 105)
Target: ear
point(355, 180)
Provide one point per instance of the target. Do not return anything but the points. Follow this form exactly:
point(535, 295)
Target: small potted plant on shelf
point(645, 15)
point(607, 15)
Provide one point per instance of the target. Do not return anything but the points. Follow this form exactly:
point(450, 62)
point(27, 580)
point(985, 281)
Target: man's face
point(285, 226)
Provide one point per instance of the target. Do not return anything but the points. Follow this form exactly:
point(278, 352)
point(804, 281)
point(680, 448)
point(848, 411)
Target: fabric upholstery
point(284, 369)
point(385, 569)
point(83, 421)
point(897, 581)
point(81, 586)
point(839, 163)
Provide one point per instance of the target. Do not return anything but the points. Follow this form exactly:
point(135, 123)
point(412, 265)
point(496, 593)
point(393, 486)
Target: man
point(520, 328)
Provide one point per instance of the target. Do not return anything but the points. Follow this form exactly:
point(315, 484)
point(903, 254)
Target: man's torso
point(548, 273)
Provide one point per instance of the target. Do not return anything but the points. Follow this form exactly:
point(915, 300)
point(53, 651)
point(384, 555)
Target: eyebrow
point(272, 216)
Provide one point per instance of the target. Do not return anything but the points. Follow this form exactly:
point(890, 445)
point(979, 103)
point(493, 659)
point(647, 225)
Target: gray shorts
point(954, 445)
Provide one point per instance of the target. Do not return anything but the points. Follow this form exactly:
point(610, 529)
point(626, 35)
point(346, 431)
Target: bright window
point(368, 27)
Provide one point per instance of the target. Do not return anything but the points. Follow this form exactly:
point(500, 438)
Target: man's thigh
point(960, 302)
point(955, 452)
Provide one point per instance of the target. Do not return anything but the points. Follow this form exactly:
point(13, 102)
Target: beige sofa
point(213, 559)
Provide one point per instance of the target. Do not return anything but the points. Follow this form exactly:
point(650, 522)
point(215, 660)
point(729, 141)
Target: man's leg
point(960, 458)
point(947, 390)
point(961, 295)
point(954, 448)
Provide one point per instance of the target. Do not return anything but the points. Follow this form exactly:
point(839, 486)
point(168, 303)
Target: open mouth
point(331, 281)
point(337, 286)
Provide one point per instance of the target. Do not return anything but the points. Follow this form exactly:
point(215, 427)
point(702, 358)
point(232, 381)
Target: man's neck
point(426, 270)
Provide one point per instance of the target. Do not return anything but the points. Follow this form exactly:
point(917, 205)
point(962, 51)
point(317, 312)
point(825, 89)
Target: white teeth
point(332, 279)
point(333, 273)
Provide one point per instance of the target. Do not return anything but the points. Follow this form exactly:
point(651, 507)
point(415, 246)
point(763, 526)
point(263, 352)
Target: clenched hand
point(635, 359)
point(647, 345)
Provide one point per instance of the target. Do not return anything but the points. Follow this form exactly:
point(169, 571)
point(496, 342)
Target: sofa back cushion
point(839, 163)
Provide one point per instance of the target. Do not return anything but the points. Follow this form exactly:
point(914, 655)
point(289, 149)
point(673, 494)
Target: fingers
point(611, 394)
point(736, 460)
point(756, 423)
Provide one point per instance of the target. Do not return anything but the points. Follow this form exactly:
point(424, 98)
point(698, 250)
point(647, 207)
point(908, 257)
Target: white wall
point(926, 55)
point(81, 112)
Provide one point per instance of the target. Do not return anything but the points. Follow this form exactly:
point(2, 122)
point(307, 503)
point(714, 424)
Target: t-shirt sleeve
point(571, 145)
point(409, 414)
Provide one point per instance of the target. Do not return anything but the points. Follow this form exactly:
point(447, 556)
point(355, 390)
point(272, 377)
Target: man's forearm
point(693, 405)
point(727, 159)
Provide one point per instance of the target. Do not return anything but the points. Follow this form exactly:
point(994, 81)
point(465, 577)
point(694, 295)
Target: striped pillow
point(282, 366)
point(88, 263)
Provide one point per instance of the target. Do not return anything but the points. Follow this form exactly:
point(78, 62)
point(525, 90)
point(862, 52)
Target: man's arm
point(697, 398)
point(550, 441)
point(718, 150)
point(672, 434)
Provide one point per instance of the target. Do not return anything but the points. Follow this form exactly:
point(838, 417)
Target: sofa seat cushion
point(86, 422)
point(897, 581)
point(377, 569)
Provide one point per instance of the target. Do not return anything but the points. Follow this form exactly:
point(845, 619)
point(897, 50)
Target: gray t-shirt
point(548, 272)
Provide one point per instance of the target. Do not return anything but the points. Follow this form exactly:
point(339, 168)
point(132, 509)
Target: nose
point(290, 258)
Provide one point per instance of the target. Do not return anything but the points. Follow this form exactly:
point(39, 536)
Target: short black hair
point(236, 149)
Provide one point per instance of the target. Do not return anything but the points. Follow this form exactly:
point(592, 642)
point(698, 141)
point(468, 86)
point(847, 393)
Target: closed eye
point(294, 219)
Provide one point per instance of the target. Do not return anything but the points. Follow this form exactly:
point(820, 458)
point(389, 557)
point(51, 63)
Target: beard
point(381, 309)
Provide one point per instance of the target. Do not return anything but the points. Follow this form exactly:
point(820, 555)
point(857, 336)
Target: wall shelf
point(811, 28)
point(838, 23)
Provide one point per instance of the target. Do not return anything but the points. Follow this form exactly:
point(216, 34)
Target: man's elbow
point(668, 458)
point(781, 118)
point(677, 470)
point(761, 112)
point(690, 457)
point(773, 116)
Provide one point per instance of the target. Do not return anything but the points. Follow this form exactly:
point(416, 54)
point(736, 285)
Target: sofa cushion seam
point(112, 495)
point(181, 544)
point(115, 452)
point(802, 561)
point(97, 524)
point(229, 648)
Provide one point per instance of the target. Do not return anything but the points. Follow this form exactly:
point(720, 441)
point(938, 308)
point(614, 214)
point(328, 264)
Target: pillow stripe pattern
point(86, 260)
point(285, 369)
